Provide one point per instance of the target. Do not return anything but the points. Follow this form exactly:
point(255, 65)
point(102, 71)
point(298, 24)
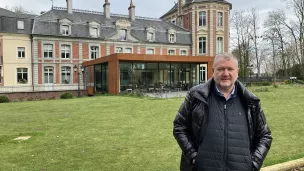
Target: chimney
point(132, 11)
point(180, 4)
point(69, 6)
point(106, 9)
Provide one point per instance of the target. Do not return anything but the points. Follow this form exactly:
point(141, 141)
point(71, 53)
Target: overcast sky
point(145, 8)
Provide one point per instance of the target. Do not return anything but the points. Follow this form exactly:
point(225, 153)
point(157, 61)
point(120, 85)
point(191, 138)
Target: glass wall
point(101, 77)
point(166, 76)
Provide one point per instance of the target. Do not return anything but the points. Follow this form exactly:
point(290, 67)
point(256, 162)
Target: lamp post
point(250, 67)
point(78, 70)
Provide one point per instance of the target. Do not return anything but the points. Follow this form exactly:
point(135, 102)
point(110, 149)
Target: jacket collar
point(203, 91)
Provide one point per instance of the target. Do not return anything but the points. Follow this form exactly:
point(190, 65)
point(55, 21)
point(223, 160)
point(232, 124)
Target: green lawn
point(124, 134)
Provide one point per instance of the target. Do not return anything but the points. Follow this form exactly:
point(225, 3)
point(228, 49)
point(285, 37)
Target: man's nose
point(226, 73)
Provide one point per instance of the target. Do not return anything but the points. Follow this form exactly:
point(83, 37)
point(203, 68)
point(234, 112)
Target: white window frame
point(48, 73)
point(65, 30)
point(174, 50)
point(22, 51)
point(147, 49)
point(66, 72)
point(181, 52)
point(20, 25)
point(97, 52)
point(150, 36)
point(121, 48)
point(63, 47)
point(220, 21)
point(22, 72)
point(125, 50)
point(206, 41)
point(171, 38)
point(45, 48)
point(206, 19)
point(94, 32)
point(120, 37)
point(218, 47)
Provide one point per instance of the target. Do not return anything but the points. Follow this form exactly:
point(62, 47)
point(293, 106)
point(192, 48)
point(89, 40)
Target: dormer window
point(20, 25)
point(94, 31)
point(150, 36)
point(65, 30)
point(171, 38)
point(123, 35)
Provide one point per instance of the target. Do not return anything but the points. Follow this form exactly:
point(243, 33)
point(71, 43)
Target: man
point(220, 126)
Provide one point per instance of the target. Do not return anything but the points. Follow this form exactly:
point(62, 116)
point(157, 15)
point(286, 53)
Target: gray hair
point(227, 57)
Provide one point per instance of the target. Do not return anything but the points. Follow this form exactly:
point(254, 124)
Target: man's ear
point(238, 70)
point(212, 70)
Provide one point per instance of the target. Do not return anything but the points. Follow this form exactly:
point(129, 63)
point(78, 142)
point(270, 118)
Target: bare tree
point(240, 22)
point(19, 9)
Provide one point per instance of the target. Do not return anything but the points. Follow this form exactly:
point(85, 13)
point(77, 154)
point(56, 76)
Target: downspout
point(32, 60)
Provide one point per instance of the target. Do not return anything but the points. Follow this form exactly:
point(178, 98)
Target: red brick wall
point(40, 73)
point(57, 50)
point(177, 52)
point(75, 77)
point(103, 50)
point(85, 51)
point(39, 49)
point(157, 51)
point(195, 30)
point(135, 49)
point(112, 49)
point(75, 53)
point(142, 50)
point(226, 31)
point(164, 51)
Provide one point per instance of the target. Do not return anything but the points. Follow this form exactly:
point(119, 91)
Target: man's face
point(225, 72)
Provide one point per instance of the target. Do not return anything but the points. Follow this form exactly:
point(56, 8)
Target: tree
point(19, 9)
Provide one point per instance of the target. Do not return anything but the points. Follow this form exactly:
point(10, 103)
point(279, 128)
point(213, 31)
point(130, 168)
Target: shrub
point(300, 81)
point(287, 81)
point(66, 96)
point(265, 83)
point(137, 93)
point(3, 99)
point(261, 89)
point(275, 86)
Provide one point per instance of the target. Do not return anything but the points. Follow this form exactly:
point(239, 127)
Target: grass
point(123, 133)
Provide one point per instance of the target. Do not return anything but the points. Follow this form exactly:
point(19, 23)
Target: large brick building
point(62, 39)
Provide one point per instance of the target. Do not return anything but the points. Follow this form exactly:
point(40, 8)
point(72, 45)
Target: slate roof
point(47, 24)
point(174, 8)
point(9, 19)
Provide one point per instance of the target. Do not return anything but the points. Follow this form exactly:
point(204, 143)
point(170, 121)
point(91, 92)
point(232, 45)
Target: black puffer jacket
point(193, 115)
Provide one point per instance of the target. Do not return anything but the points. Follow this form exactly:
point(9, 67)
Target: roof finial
point(131, 3)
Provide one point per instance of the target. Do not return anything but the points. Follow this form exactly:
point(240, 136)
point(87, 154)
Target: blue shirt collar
point(231, 95)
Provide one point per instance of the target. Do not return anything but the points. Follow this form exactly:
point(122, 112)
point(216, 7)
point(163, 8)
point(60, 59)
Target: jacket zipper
point(225, 137)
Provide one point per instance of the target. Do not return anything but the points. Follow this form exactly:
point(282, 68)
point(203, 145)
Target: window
point(65, 51)
point(94, 31)
point(119, 50)
point(150, 51)
point(94, 52)
point(48, 75)
point(128, 50)
point(123, 35)
point(22, 75)
point(171, 38)
point(183, 53)
point(171, 52)
point(20, 25)
point(202, 45)
point(220, 19)
point(150, 36)
point(65, 30)
point(202, 18)
point(48, 51)
point(21, 52)
point(219, 45)
point(65, 75)
point(173, 22)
